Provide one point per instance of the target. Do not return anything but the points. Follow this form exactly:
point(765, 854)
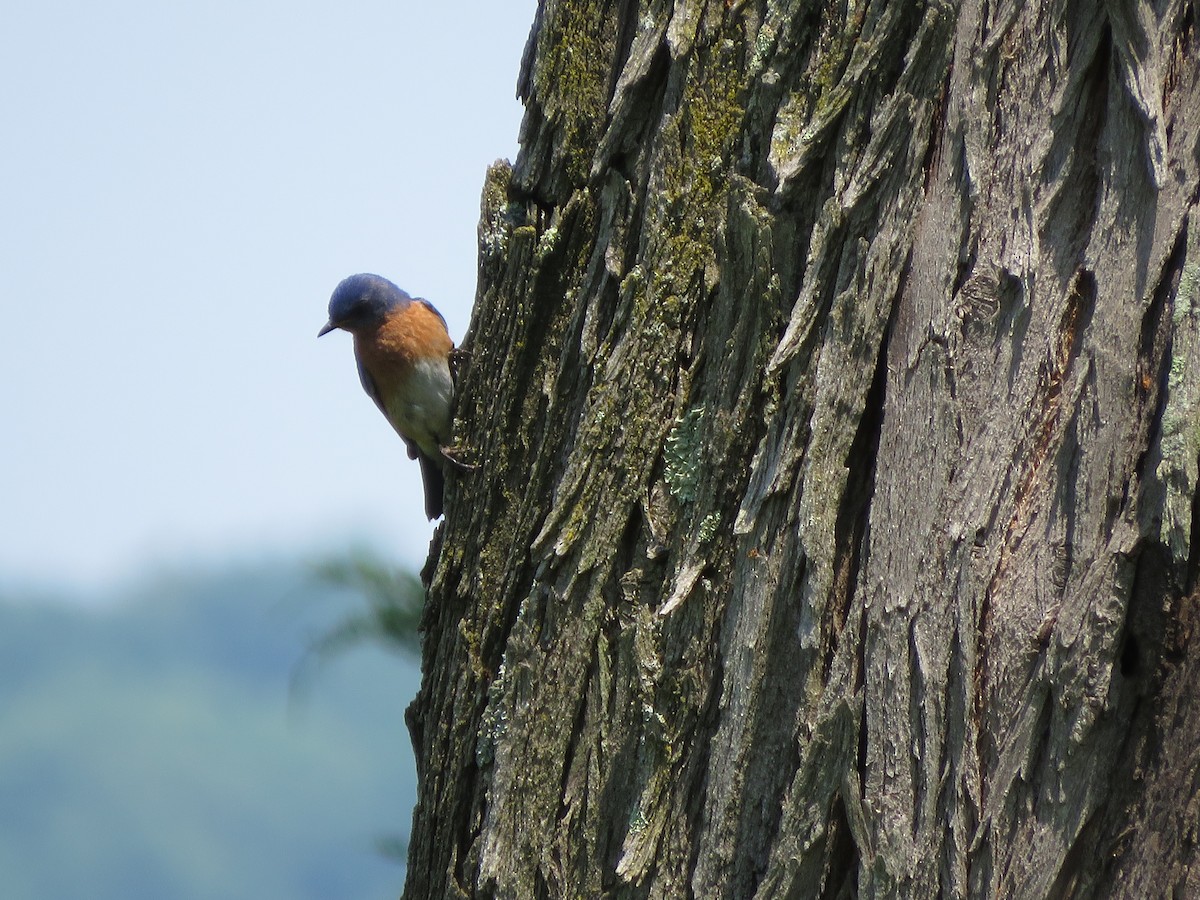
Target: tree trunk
point(834, 383)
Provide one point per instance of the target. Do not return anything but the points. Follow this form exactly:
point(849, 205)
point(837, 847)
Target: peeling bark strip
point(835, 385)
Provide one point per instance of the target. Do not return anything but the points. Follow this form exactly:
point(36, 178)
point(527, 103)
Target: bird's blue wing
point(372, 390)
point(370, 387)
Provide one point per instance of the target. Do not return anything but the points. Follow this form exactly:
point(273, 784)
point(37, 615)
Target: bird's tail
point(435, 485)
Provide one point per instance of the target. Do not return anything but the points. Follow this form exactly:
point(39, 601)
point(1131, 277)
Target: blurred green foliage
point(147, 750)
point(394, 600)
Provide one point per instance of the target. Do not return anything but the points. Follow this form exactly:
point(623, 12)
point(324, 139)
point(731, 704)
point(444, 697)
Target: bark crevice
point(835, 384)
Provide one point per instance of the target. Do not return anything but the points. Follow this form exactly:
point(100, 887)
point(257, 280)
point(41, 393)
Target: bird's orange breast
point(409, 335)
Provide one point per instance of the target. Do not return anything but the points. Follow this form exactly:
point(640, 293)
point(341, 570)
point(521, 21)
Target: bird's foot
point(451, 454)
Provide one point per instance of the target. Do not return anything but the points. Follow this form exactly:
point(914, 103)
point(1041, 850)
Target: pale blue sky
point(182, 186)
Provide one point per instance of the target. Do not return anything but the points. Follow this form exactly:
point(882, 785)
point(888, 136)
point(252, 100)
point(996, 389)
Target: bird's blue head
point(361, 302)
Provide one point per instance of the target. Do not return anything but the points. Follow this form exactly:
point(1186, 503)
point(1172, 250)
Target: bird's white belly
point(420, 409)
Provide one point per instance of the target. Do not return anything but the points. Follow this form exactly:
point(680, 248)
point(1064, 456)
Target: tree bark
point(834, 384)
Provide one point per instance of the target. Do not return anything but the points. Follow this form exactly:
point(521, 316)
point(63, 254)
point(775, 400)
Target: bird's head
point(362, 302)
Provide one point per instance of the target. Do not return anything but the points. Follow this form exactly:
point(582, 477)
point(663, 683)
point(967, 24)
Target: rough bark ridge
point(834, 379)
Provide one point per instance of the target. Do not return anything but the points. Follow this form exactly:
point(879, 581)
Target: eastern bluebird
point(403, 351)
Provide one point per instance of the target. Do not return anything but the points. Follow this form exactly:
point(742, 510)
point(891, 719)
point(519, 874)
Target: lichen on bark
point(832, 386)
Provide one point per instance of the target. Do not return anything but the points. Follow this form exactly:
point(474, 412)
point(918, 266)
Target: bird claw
point(450, 454)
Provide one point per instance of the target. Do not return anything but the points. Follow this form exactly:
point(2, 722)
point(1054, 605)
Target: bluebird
point(403, 352)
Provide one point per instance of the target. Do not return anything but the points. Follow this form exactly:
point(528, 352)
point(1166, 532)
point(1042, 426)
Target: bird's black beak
point(329, 326)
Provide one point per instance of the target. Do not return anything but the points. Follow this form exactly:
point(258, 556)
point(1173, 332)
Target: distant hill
point(151, 745)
